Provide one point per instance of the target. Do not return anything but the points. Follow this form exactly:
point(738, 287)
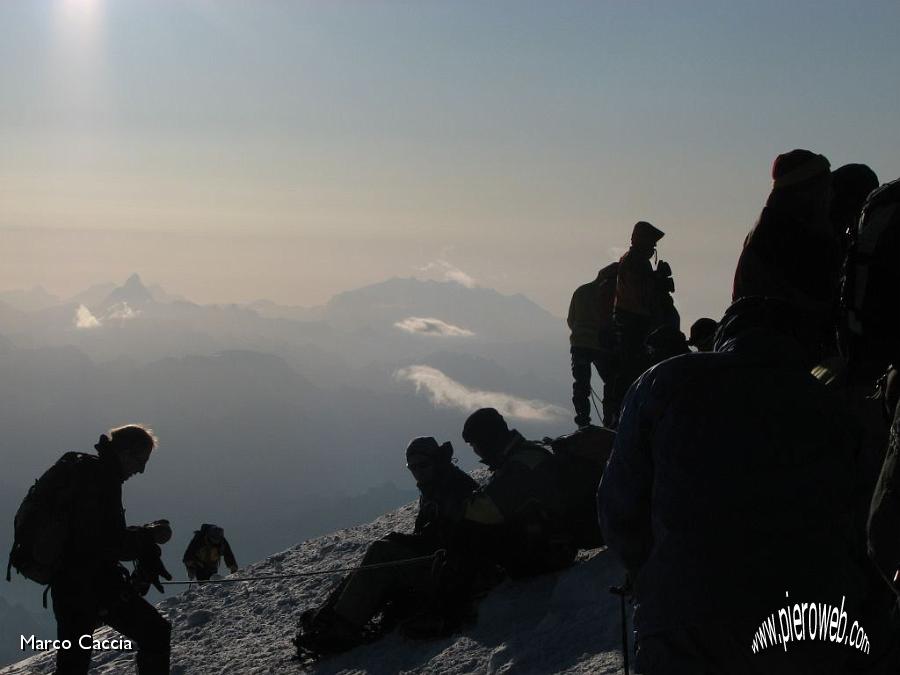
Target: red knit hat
point(798, 166)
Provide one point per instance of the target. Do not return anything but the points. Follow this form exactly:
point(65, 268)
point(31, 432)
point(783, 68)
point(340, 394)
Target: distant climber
point(205, 552)
point(703, 333)
point(70, 532)
point(592, 340)
point(643, 303)
point(346, 617)
point(729, 485)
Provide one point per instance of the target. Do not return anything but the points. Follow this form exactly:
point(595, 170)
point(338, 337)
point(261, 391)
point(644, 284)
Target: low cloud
point(450, 272)
point(446, 392)
point(430, 326)
point(84, 319)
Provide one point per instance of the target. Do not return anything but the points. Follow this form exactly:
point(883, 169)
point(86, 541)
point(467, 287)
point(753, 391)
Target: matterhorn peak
point(132, 292)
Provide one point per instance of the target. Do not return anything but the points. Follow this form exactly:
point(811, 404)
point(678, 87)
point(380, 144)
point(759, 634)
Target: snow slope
point(561, 623)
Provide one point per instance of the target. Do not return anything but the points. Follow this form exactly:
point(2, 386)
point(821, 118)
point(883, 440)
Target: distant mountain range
point(274, 420)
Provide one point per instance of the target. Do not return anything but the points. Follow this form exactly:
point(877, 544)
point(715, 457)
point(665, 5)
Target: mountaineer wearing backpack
point(344, 619)
point(731, 482)
point(70, 532)
point(871, 343)
point(643, 303)
point(592, 340)
point(205, 552)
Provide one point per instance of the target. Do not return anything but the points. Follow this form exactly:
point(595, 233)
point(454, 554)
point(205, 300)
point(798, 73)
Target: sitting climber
point(347, 617)
point(206, 549)
point(518, 519)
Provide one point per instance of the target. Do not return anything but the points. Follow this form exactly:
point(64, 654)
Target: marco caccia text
point(84, 642)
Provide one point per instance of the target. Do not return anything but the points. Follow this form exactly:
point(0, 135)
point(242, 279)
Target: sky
point(236, 150)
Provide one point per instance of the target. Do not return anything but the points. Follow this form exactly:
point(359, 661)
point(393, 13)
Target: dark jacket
point(636, 288)
point(590, 317)
point(202, 554)
point(642, 303)
point(884, 517)
point(98, 536)
point(520, 514)
point(731, 482)
point(788, 256)
point(441, 504)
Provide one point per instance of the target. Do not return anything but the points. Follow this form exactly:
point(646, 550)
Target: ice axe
point(623, 591)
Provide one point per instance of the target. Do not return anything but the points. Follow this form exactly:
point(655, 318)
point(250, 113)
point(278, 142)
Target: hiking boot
point(325, 632)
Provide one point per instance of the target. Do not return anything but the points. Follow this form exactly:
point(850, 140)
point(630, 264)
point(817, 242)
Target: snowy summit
point(556, 623)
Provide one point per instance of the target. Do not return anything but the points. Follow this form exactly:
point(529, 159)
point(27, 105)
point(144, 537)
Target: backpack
point(870, 287)
point(607, 295)
point(41, 525)
point(582, 457)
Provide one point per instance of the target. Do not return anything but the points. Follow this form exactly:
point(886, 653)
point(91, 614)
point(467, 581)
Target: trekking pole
point(622, 591)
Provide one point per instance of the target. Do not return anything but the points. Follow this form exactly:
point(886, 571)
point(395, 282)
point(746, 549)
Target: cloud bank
point(447, 392)
point(430, 326)
point(450, 273)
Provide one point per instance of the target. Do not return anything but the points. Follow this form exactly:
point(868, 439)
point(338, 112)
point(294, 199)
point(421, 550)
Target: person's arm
point(884, 513)
point(624, 494)
point(190, 553)
point(229, 557)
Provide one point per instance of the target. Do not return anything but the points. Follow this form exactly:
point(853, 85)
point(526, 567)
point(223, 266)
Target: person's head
point(850, 186)
point(215, 534)
point(664, 343)
point(644, 238)
point(703, 331)
point(425, 459)
point(774, 315)
point(486, 431)
point(129, 446)
point(801, 184)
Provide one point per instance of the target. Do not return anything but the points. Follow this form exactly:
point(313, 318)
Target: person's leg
point(138, 620)
point(204, 573)
point(367, 590)
point(71, 624)
point(581, 385)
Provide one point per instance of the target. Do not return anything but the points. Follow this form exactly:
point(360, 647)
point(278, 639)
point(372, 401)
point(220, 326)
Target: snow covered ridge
point(560, 623)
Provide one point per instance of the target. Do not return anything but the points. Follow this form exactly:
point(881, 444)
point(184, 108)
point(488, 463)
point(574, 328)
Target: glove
point(233, 569)
point(147, 573)
point(160, 529)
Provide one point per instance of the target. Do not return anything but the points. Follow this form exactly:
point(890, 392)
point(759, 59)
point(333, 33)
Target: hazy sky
point(231, 150)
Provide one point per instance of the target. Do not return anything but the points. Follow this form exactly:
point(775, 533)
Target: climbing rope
point(594, 399)
point(437, 555)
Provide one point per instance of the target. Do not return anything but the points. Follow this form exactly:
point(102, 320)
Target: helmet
point(644, 234)
point(426, 448)
point(486, 428)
